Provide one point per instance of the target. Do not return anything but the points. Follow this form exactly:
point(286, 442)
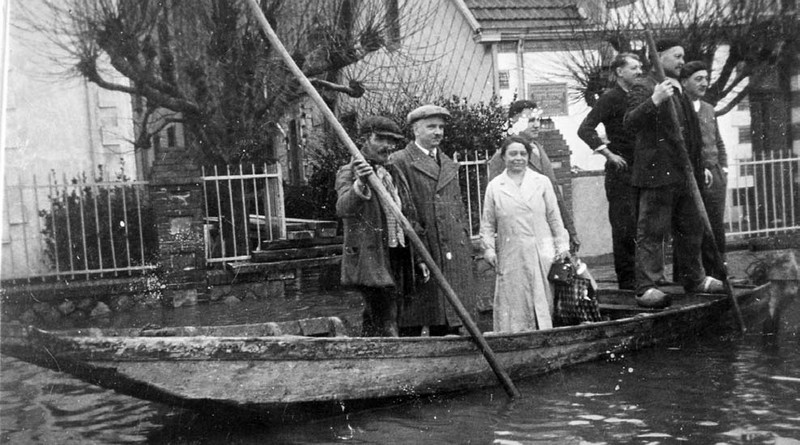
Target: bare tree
point(742, 41)
point(204, 64)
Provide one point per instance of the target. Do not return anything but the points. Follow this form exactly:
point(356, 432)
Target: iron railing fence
point(76, 229)
point(473, 176)
point(84, 228)
point(244, 207)
point(763, 194)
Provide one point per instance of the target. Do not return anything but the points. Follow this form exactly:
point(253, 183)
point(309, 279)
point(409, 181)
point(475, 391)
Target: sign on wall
point(551, 98)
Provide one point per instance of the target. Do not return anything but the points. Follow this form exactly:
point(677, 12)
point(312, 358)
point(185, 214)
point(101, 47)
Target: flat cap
point(425, 112)
point(382, 126)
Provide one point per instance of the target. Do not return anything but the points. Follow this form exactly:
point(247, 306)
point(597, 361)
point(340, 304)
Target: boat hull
point(288, 378)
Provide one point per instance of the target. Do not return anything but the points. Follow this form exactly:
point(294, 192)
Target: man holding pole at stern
point(437, 213)
point(374, 242)
point(666, 201)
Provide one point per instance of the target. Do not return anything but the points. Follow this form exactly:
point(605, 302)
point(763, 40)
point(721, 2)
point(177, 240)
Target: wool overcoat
point(431, 197)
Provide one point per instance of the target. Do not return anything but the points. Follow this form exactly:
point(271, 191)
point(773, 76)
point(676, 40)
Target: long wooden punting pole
point(387, 201)
point(693, 188)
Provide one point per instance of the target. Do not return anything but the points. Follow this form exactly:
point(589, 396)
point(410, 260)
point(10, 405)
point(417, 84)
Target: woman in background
point(522, 235)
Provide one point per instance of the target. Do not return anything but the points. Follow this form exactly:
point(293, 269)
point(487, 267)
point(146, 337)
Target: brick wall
point(557, 149)
point(177, 199)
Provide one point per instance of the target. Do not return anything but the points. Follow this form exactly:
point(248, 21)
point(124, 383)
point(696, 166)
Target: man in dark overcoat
point(666, 201)
point(436, 210)
point(374, 250)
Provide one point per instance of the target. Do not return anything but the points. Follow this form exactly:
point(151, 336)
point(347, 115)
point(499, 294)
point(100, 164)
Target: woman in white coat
point(522, 235)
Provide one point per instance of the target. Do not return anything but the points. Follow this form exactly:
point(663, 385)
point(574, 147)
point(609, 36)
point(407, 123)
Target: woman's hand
point(561, 256)
point(491, 257)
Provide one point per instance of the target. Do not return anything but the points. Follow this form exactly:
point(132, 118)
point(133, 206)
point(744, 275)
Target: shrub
point(98, 227)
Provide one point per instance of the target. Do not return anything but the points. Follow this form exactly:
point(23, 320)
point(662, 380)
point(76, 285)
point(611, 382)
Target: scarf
point(393, 228)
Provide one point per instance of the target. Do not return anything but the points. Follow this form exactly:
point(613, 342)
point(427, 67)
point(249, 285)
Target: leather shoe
point(710, 285)
point(653, 298)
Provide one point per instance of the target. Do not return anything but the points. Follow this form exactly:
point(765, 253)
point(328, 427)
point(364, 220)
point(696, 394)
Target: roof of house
point(527, 14)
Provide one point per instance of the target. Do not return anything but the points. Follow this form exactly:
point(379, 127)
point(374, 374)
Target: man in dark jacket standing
point(694, 79)
point(665, 198)
point(435, 208)
point(609, 110)
point(374, 242)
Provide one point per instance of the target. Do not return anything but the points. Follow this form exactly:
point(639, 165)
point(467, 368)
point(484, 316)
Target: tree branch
point(354, 89)
point(735, 101)
point(89, 69)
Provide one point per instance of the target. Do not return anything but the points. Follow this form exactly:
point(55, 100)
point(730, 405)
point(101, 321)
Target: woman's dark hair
point(514, 140)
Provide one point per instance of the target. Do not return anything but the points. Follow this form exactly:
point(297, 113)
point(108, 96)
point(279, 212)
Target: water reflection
point(710, 390)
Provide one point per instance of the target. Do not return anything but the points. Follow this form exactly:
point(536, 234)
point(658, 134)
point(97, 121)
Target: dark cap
point(425, 112)
point(516, 107)
point(665, 44)
point(690, 68)
point(381, 126)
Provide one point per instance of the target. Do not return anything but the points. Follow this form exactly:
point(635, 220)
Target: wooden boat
point(261, 371)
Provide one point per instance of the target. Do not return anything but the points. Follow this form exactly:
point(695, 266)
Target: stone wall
point(55, 302)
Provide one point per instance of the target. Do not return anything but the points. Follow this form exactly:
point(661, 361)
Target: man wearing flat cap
point(666, 202)
point(714, 158)
point(524, 119)
point(430, 178)
point(374, 251)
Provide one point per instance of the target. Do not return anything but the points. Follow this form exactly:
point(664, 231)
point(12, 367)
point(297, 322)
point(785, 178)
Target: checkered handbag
point(575, 302)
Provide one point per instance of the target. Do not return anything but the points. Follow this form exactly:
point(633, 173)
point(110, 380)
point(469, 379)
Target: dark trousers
point(661, 210)
point(714, 201)
point(622, 205)
point(380, 311)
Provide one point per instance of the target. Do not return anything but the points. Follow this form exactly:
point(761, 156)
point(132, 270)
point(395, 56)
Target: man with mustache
point(430, 180)
point(666, 202)
point(373, 254)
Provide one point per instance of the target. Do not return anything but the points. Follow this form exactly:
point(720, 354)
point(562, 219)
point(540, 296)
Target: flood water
point(711, 390)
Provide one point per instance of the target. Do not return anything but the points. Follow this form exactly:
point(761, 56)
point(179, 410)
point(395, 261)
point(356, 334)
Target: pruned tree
point(742, 41)
point(204, 64)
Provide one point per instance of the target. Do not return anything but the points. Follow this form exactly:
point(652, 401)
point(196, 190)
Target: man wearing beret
point(694, 79)
point(524, 120)
point(666, 201)
point(435, 209)
point(374, 242)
